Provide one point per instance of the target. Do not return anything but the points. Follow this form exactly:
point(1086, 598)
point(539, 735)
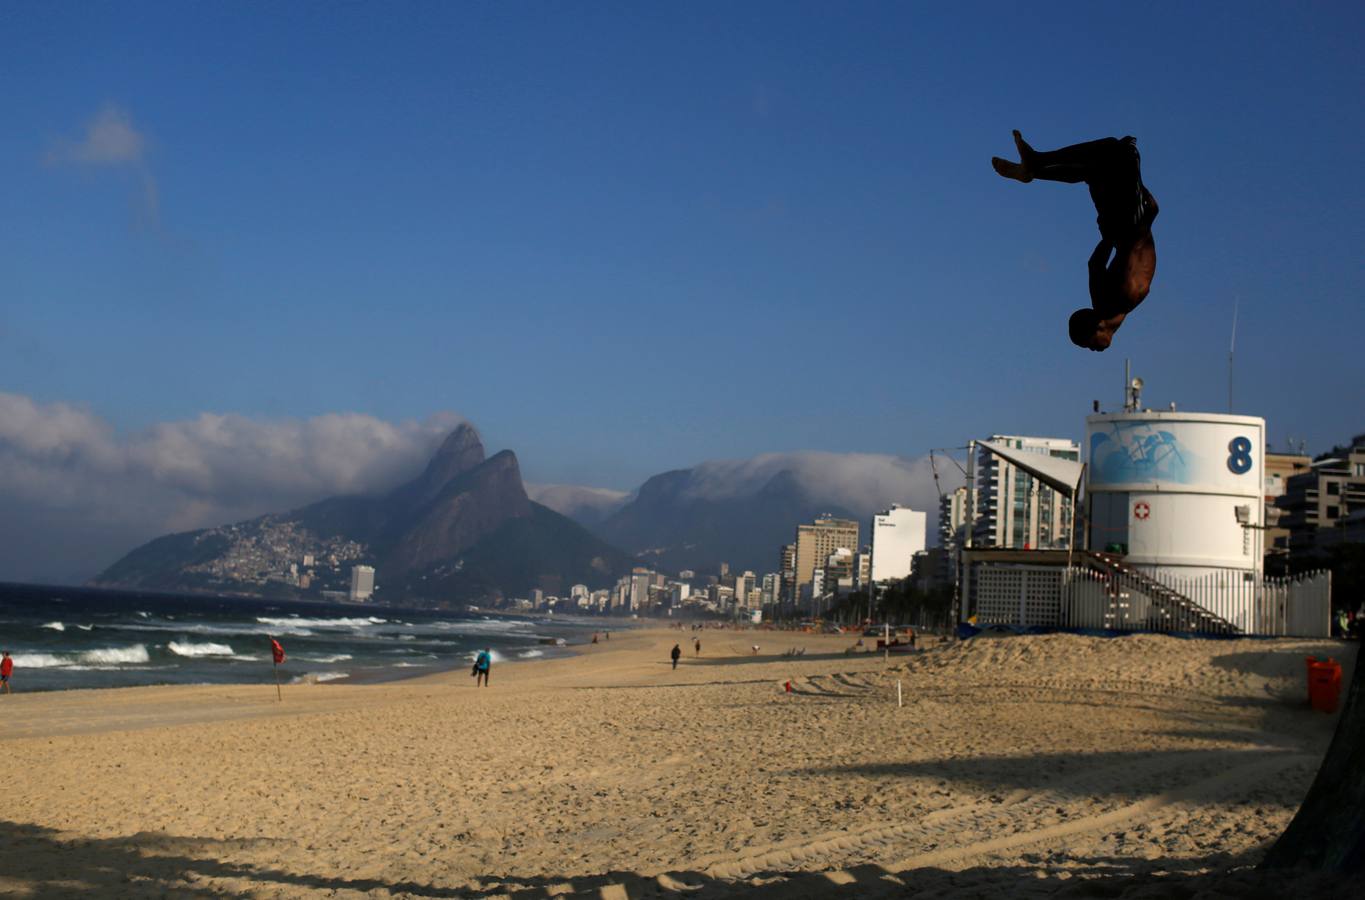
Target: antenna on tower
point(1232, 347)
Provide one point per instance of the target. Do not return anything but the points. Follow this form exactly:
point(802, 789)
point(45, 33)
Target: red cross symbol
point(1141, 510)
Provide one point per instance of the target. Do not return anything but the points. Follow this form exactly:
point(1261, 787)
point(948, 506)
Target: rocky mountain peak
point(461, 451)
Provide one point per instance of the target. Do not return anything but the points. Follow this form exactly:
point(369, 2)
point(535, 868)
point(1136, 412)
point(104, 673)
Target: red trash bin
point(1324, 685)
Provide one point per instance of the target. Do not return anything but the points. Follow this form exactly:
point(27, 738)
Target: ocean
point(63, 638)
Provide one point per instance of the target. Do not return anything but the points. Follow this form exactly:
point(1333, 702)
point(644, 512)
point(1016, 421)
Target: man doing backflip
point(1111, 168)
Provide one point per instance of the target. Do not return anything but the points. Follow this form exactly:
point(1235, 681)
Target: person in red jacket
point(6, 669)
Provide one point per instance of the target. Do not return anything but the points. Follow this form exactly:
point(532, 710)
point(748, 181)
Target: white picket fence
point(1080, 597)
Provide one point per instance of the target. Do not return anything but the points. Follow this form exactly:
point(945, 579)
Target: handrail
point(1167, 600)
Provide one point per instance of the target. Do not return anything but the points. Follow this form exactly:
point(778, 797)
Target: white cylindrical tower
point(1181, 494)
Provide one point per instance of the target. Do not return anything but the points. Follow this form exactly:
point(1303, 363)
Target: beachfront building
point(952, 517)
point(814, 543)
point(744, 586)
point(771, 590)
point(898, 534)
point(362, 583)
point(1325, 505)
point(1279, 468)
point(787, 573)
point(1014, 509)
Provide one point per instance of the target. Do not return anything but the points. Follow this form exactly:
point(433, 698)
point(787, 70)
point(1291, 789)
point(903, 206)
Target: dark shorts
point(1124, 204)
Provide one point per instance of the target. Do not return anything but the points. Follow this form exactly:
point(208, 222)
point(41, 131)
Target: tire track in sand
point(1012, 821)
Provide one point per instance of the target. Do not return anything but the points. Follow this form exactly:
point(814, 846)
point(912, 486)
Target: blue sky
point(627, 238)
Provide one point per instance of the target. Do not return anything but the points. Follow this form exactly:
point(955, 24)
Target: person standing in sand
point(696, 642)
point(482, 663)
point(6, 669)
point(675, 653)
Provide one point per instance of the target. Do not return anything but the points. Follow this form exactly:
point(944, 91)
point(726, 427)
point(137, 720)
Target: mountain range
point(671, 524)
point(466, 528)
point(463, 529)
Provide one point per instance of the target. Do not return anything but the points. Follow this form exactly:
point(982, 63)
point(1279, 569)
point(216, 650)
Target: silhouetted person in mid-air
point(1111, 168)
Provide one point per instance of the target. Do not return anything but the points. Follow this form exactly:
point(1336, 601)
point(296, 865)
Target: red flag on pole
point(277, 651)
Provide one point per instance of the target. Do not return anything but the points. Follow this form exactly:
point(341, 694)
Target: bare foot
point(1019, 171)
point(1010, 169)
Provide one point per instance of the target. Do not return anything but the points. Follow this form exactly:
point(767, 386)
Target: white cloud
point(584, 504)
point(859, 482)
point(68, 468)
point(111, 141)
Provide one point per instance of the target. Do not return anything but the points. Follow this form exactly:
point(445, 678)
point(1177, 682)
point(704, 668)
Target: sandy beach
point(1024, 766)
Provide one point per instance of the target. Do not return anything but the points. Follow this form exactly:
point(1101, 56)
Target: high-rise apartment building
point(1324, 505)
point(362, 583)
point(897, 535)
point(1279, 468)
point(814, 544)
point(1014, 509)
point(952, 515)
point(787, 573)
point(743, 585)
point(772, 589)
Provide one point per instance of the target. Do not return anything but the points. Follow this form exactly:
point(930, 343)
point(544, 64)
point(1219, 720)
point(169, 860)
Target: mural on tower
point(1133, 452)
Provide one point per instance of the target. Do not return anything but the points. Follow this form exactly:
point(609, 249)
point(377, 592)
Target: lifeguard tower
point(1169, 511)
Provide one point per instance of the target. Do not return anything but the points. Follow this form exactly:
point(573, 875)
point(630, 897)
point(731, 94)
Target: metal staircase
point(1170, 610)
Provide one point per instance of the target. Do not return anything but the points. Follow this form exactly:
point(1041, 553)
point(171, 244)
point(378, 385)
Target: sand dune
point(1037, 766)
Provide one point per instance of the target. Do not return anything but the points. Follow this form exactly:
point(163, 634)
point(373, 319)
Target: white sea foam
point(221, 630)
point(55, 626)
point(185, 648)
point(38, 661)
point(408, 665)
point(336, 657)
point(294, 622)
point(316, 677)
point(85, 627)
point(144, 614)
point(407, 637)
point(115, 655)
point(530, 654)
point(488, 625)
point(110, 657)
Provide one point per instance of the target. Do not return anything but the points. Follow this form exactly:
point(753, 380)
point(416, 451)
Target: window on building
point(1333, 488)
point(1360, 469)
point(1333, 512)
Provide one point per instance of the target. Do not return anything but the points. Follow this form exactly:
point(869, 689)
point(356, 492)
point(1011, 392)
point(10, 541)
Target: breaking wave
point(104, 656)
point(316, 677)
point(55, 626)
point(292, 622)
point(188, 649)
point(116, 655)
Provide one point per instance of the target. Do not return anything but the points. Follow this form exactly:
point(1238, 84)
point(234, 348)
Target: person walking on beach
point(6, 669)
point(677, 651)
point(482, 663)
point(696, 642)
point(1111, 168)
